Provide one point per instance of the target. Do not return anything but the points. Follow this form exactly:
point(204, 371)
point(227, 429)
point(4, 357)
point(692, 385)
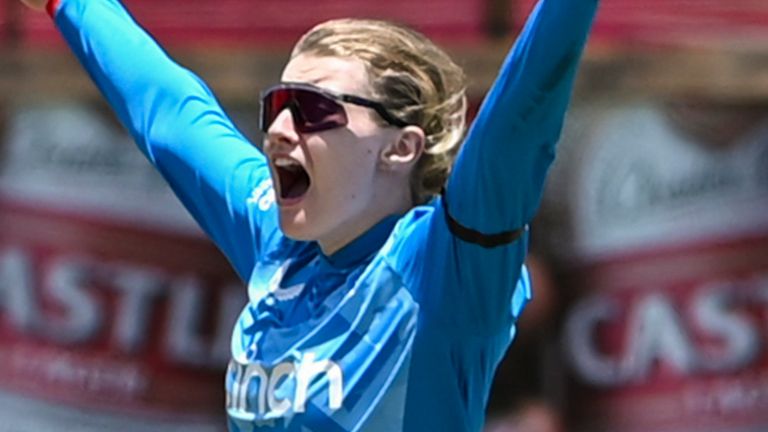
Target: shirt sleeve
point(497, 181)
point(178, 124)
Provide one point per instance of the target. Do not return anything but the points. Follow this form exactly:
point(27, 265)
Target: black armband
point(473, 236)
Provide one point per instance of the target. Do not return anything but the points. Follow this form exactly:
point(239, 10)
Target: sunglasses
point(314, 109)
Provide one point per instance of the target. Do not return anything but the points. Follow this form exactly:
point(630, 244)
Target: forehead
point(344, 75)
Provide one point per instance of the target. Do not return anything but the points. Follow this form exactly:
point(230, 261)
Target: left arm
point(499, 175)
point(496, 185)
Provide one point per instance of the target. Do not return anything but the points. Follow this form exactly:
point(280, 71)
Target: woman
point(375, 301)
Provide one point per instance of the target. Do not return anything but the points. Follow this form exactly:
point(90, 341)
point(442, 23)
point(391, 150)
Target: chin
point(295, 226)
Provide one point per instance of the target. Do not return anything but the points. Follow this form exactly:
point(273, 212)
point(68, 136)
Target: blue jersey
point(403, 328)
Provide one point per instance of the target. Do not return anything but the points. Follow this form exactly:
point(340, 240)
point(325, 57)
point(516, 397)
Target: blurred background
point(649, 256)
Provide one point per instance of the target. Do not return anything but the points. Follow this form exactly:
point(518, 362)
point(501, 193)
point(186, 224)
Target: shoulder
point(405, 249)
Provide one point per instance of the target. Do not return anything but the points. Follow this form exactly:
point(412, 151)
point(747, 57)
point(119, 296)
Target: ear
point(404, 150)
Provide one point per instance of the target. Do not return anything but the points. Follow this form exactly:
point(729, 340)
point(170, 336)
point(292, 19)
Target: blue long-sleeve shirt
point(401, 329)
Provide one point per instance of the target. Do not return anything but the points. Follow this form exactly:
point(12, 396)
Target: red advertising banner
point(112, 304)
point(673, 340)
point(658, 220)
point(110, 317)
point(671, 22)
point(276, 24)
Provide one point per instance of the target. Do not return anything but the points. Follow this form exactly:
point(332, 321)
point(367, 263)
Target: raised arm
point(175, 120)
point(497, 182)
point(472, 278)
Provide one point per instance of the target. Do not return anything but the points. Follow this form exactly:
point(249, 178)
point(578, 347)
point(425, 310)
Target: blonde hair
point(414, 79)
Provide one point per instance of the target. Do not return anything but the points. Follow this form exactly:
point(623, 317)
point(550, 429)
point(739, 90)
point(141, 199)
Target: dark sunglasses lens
point(319, 111)
point(312, 111)
point(271, 104)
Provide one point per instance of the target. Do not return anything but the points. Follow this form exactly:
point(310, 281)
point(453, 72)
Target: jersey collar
point(364, 245)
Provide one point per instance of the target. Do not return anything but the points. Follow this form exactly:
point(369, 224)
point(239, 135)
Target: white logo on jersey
point(271, 385)
point(263, 195)
point(287, 293)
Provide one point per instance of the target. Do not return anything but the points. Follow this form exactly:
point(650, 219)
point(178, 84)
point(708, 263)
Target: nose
point(282, 132)
point(283, 125)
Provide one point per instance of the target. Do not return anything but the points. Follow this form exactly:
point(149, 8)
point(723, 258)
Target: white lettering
point(139, 289)
point(17, 298)
point(68, 282)
point(308, 371)
point(710, 330)
point(655, 333)
point(263, 195)
point(274, 385)
point(713, 312)
point(280, 372)
point(91, 300)
point(581, 328)
point(253, 371)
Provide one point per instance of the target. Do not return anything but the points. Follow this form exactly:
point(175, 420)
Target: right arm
point(176, 122)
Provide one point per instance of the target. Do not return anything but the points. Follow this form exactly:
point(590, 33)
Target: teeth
point(286, 163)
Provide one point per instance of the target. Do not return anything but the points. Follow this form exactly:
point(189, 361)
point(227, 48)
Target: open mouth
point(293, 178)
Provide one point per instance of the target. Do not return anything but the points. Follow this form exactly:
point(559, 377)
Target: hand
point(35, 4)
